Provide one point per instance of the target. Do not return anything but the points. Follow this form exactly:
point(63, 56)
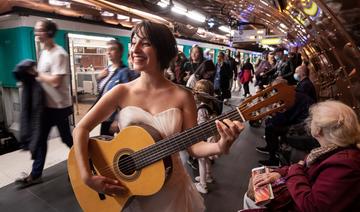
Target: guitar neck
point(180, 141)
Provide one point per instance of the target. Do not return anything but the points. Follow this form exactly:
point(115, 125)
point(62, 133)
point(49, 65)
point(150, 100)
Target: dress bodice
point(178, 193)
point(167, 122)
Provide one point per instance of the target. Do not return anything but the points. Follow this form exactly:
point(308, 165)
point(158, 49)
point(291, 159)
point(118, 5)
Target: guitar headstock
point(272, 99)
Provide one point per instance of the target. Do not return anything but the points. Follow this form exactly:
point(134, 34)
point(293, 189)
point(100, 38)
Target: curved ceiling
point(295, 22)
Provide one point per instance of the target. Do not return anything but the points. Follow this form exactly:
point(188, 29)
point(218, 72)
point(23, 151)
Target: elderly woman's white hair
point(337, 123)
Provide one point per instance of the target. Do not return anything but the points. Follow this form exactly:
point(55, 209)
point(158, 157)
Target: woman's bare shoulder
point(182, 91)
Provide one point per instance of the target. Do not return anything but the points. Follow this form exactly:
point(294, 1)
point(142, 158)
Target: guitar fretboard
point(180, 141)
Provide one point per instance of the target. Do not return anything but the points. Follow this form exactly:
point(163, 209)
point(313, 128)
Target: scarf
point(317, 153)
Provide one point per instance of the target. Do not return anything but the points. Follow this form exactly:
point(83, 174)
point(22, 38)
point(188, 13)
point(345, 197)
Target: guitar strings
point(154, 152)
point(157, 153)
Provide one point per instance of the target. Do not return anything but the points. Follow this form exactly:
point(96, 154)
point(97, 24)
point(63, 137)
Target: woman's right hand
point(265, 178)
point(106, 185)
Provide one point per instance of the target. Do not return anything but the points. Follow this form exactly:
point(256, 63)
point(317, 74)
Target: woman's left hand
point(265, 178)
point(229, 131)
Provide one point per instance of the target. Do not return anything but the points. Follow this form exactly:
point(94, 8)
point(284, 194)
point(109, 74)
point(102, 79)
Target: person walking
point(54, 76)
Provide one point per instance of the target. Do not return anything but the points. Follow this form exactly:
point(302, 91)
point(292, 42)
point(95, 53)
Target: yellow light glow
point(270, 41)
point(312, 10)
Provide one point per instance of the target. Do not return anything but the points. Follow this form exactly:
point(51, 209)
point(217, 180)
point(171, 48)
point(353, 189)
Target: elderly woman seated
point(329, 178)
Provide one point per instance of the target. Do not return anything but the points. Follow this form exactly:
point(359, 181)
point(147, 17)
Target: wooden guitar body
point(147, 181)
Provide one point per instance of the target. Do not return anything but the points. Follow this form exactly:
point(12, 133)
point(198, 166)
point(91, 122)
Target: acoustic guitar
point(140, 158)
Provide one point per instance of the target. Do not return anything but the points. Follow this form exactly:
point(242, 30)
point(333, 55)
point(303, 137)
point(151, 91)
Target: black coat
point(32, 107)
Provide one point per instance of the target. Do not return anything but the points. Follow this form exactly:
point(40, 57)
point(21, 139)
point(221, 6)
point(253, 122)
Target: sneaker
point(270, 163)
point(193, 163)
point(208, 179)
point(263, 150)
point(27, 180)
point(201, 188)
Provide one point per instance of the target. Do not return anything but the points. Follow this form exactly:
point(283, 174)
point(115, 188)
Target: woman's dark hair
point(161, 38)
point(201, 51)
point(206, 71)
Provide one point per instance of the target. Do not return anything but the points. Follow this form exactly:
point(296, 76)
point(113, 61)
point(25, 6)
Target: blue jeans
point(52, 117)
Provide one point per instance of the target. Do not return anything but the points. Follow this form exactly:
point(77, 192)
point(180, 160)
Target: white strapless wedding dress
point(178, 193)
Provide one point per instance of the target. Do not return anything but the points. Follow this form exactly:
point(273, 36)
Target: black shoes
point(27, 180)
point(193, 163)
point(264, 150)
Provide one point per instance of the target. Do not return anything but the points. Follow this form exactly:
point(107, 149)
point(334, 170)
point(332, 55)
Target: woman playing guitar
point(155, 101)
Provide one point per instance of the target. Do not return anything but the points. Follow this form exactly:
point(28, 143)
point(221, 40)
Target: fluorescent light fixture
point(252, 37)
point(122, 17)
point(260, 32)
point(262, 1)
point(179, 10)
point(135, 11)
point(163, 3)
point(196, 16)
point(225, 29)
point(107, 14)
point(89, 37)
point(59, 3)
point(135, 20)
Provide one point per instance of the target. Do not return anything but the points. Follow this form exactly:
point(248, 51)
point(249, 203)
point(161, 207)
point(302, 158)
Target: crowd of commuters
point(149, 93)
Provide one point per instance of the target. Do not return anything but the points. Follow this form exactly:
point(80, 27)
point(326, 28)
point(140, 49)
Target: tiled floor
point(14, 163)
point(231, 173)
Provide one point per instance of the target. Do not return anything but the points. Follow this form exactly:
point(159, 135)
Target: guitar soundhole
point(126, 165)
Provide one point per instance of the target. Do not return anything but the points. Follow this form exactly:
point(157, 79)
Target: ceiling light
point(179, 10)
point(262, 1)
point(59, 3)
point(225, 29)
point(163, 3)
point(135, 20)
point(107, 14)
point(196, 16)
point(122, 17)
point(283, 26)
point(89, 37)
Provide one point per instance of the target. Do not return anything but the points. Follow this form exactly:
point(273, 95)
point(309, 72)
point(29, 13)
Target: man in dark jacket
point(278, 126)
point(222, 79)
point(304, 85)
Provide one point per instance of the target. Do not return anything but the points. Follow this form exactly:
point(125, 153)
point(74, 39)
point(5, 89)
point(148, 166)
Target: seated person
point(304, 83)
point(278, 126)
point(329, 178)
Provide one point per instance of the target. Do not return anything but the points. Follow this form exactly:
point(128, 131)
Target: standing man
point(54, 75)
point(113, 75)
point(223, 75)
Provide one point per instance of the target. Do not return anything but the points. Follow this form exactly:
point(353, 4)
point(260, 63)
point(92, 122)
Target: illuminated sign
point(271, 41)
point(248, 35)
point(311, 10)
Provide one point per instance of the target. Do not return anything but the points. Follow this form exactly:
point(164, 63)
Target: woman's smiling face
point(142, 53)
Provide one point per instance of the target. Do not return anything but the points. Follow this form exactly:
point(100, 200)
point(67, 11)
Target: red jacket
point(331, 184)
